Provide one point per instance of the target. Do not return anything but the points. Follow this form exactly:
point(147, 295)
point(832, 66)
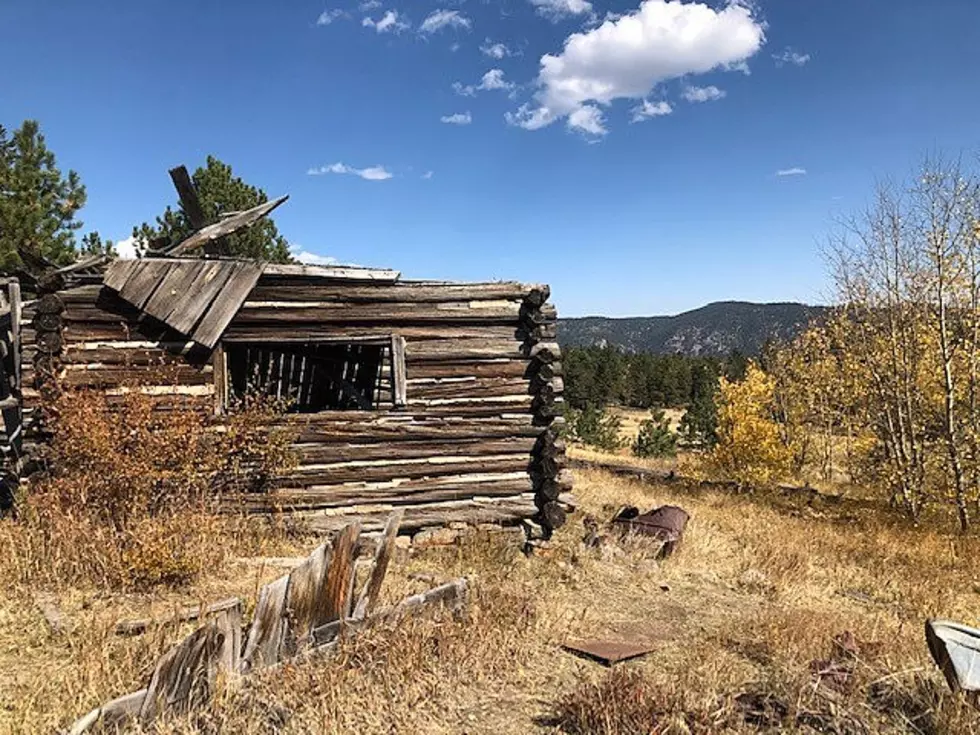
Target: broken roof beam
point(225, 227)
point(187, 193)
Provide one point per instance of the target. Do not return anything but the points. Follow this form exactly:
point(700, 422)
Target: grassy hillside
point(712, 330)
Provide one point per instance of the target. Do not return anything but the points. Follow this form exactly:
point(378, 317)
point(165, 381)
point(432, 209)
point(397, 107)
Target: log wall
point(478, 433)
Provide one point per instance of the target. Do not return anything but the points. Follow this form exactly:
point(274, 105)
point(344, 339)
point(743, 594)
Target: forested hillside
point(714, 330)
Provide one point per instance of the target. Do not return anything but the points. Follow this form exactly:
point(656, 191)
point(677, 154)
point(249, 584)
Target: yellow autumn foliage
point(751, 449)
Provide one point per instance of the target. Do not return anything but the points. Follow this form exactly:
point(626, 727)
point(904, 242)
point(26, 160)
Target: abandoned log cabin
point(441, 398)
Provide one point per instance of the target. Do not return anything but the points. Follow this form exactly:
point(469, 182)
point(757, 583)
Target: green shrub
point(655, 438)
point(594, 427)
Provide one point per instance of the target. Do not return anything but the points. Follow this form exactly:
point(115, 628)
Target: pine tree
point(219, 192)
point(37, 204)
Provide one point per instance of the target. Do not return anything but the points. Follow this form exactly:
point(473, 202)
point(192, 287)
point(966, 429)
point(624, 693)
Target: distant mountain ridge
point(713, 330)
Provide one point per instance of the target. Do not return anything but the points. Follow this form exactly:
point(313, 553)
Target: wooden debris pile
point(301, 613)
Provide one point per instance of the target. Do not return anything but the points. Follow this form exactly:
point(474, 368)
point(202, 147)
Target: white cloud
point(126, 249)
point(625, 58)
point(458, 118)
point(329, 16)
point(390, 21)
point(439, 19)
point(309, 258)
point(555, 10)
point(795, 171)
point(649, 109)
point(789, 56)
point(702, 94)
point(368, 5)
point(587, 119)
point(493, 79)
point(495, 50)
point(371, 173)
point(428, 175)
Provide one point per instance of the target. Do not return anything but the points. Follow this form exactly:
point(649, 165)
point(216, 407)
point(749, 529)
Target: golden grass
point(758, 591)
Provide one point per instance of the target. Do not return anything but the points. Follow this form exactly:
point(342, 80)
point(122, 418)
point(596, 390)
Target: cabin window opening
point(316, 376)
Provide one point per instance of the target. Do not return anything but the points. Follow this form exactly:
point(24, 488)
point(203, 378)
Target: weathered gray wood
point(316, 273)
point(144, 280)
point(296, 290)
point(173, 289)
point(546, 352)
point(118, 273)
point(226, 227)
point(112, 714)
point(211, 278)
point(140, 625)
point(190, 203)
point(266, 631)
point(382, 558)
point(183, 677)
point(398, 375)
point(412, 469)
point(451, 593)
point(304, 600)
point(301, 313)
point(226, 304)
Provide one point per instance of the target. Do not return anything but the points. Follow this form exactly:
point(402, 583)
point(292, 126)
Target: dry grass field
point(743, 620)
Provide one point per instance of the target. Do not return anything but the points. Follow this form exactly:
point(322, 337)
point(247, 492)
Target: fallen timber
point(301, 615)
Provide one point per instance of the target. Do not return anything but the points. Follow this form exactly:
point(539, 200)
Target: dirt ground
point(742, 622)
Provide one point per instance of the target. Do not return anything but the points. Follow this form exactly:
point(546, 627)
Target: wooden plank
point(266, 632)
point(226, 304)
point(336, 602)
point(140, 625)
point(184, 675)
point(225, 227)
point(211, 278)
point(118, 272)
point(339, 272)
point(398, 375)
point(144, 281)
point(219, 363)
point(303, 290)
point(382, 558)
point(187, 193)
point(173, 289)
point(304, 600)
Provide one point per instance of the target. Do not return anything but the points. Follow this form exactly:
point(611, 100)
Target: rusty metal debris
point(956, 650)
point(666, 523)
point(607, 652)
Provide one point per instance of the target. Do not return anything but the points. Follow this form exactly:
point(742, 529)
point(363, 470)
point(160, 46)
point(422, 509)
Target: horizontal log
point(343, 313)
point(403, 291)
point(425, 427)
point(474, 446)
point(107, 376)
point(552, 487)
point(507, 509)
point(470, 388)
point(385, 470)
point(312, 332)
point(407, 492)
point(500, 368)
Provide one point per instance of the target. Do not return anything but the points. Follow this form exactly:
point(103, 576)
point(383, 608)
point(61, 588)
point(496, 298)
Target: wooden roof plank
point(225, 227)
point(339, 272)
point(118, 273)
point(173, 289)
point(144, 281)
point(211, 278)
point(226, 304)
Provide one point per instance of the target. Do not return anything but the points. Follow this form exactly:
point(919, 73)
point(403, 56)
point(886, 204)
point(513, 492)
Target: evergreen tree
point(37, 204)
point(655, 439)
point(219, 192)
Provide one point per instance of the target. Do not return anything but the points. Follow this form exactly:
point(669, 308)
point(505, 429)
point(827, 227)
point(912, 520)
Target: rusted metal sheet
point(956, 650)
point(607, 652)
point(665, 523)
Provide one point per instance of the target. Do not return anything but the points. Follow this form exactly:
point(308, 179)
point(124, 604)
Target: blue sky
point(627, 153)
